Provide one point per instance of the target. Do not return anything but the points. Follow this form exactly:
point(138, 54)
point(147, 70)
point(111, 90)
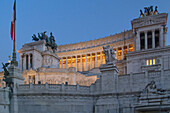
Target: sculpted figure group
point(109, 54)
point(50, 41)
point(152, 88)
point(148, 11)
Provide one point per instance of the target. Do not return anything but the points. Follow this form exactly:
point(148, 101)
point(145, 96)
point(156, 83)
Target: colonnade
point(149, 39)
point(88, 61)
point(27, 61)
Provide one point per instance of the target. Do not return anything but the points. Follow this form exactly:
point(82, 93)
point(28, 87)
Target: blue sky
point(70, 21)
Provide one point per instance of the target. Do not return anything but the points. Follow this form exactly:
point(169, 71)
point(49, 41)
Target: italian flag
point(13, 19)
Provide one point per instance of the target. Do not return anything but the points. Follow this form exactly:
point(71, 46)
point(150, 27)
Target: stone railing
point(133, 82)
point(58, 88)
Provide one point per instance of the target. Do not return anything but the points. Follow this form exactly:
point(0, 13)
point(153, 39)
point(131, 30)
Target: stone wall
point(4, 100)
point(91, 99)
point(54, 99)
point(137, 61)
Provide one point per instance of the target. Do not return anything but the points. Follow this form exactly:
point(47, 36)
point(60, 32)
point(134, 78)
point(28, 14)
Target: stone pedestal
point(50, 60)
point(16, 77)
point(109, 78)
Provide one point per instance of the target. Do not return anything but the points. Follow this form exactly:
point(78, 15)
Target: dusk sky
point(71, 21)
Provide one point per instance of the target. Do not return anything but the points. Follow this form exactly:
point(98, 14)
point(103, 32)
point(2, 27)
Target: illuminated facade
point(87, 55)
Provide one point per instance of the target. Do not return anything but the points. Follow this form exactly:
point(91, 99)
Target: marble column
point(23, 59)
point(117, 53)
point(76, 63)
point(28, 62)
point(91, 61)
point(86, 62)
point(71, 62)
point(122, 53)
point(164, 37)
point(153, 38)
point(62, 62)
point(146, 40)
point(81, 63)
point(138, 41)
point(95, 59)
point(101, 57)
point(66, 62)
point(161, 37)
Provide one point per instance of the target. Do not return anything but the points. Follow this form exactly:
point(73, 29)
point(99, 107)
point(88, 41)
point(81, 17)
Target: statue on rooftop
point(109, 54)
point(43, 35)
point(34, 37)
point(148, 11)
point(50, 41)
point(155, 12)
point(141, 13)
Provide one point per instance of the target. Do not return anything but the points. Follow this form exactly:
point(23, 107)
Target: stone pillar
point(153, 38)
point(117, 53)
point(138, 41)
point(76, 63)
point(101, 57)
point(86, 62)
point(28, 62)
point(161, 37)
point(109, 76)
point(71, 62)
point(81, 63)
point(127, 47)
point(23, 64)
point(62, 62)
point(66, 62)
point(15, 76)
point(95, 59)
point(146, 41)
point(33, 61)
point(164, 37)
point(91, 61)
point(134, 44)
point(122, 53)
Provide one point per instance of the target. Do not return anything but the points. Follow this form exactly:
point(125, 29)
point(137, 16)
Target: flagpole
point(14, 61)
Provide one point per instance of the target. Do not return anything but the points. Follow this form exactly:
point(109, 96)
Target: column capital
point(145, 32)
point(137, 31)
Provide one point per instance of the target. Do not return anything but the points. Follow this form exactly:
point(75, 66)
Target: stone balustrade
point(127, 83)
point(36, 88)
